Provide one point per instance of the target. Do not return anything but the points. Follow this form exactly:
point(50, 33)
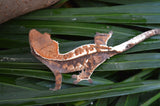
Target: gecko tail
point(135, 40)
point(43, 45)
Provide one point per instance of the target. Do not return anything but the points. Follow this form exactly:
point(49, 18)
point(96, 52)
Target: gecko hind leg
point(58, 80)
point(82, 76)
point(91, 65)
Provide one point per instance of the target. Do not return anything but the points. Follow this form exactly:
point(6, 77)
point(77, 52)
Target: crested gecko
point(85, 58)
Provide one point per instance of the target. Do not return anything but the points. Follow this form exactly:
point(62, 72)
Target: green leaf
point(11, 44)
point(22, 65)
point(131, 61)
point(137, 13)
point(89, 3)
point(82, 93)
point(54, 27)
point(120, 34)
point(121, 101)
point(128, 1)
point(25, 81)
point(83, 103)
point(12, 82)
point(139, 76)
point(102, 102)
point(132, 100)
point(116, 63)
point(49, 76)
point(151, 100)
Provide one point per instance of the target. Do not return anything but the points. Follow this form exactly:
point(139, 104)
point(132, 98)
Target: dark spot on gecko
point(129, 46)
point(89, 65)
point(87, 73)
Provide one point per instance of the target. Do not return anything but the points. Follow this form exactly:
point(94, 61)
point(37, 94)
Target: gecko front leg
point(53, 66)
point(58, 80)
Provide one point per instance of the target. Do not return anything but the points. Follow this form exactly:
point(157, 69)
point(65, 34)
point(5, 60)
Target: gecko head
point(43, 45)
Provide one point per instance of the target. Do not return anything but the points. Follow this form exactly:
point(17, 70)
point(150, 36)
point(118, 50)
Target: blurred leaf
point(83, 103)
point(5, 43)
point(128, 1)
point(139, 76)
point(102, 102)
point(14, 51)
point(151, 100)
point(137, 13)
point(89, 3)
point(151, 26)
point(132, 100)
point(121, 101)
point(60, 3)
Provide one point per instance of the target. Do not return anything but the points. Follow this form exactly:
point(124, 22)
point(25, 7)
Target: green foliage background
point(128, 79)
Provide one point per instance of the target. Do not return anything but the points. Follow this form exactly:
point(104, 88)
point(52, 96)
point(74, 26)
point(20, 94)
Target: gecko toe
point(76, 82)
point(74, 76)
point(90, 81)
point(52, 89)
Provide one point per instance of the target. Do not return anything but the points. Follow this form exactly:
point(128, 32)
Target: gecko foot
point(74, 76)
point(80, 78)
point(76, 81)
point(53, 89)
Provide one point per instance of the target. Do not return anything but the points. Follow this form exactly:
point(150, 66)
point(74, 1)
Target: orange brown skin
point(86, 57)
